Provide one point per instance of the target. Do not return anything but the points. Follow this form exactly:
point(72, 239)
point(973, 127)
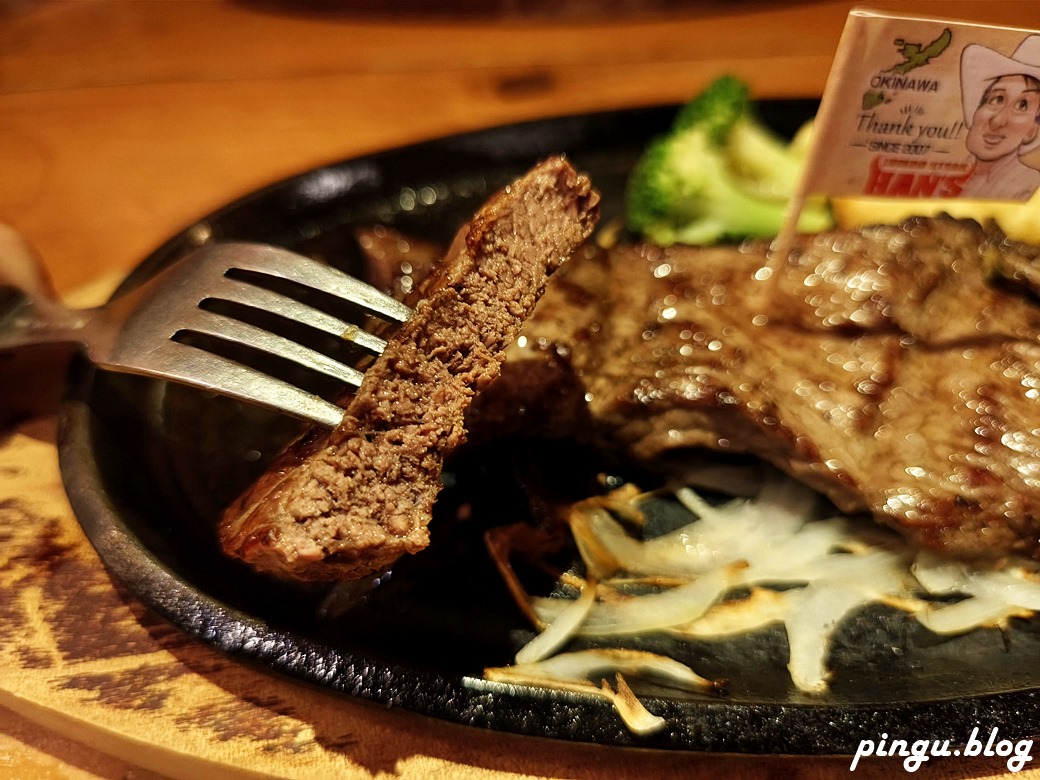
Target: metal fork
point(143, 331)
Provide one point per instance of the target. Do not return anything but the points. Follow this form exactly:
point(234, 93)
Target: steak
point(895, 369)
point(346, 504)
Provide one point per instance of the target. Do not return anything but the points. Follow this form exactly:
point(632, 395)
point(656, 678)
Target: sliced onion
point(814, 614)
point(575, 672)
point(549, 608)
point(560, 629)
point(874, 572)
point(810, 556)
point(1011, 587)
point(632, 712)
point(637, 718)
point(829, 568)
point(786, 504)
point(709, 514)
point(594, 664)
point(939, 576)
point(1015, 586)
point(606, 548)
point(657, 611)
point(602, 542)
point(761, 608)
point(966, 615)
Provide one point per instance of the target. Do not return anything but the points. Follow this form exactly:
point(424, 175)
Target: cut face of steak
point(348, 504)
point(895, 369)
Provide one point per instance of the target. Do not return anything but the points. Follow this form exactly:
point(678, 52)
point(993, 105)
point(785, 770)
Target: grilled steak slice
point(348, 504)
point(895, 369)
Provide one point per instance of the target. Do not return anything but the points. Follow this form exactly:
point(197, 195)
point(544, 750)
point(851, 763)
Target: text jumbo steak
point(895, 369)
point(346, 504)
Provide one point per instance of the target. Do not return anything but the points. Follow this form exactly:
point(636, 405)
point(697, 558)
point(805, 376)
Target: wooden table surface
point(121, 122)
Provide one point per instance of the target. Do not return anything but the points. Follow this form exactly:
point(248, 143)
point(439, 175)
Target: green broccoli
point(719, 174)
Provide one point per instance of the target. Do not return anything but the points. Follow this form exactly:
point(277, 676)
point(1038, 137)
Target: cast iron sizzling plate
point(148, 466)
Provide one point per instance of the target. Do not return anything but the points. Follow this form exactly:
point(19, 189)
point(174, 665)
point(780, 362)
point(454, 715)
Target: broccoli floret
point(682, 191)
point(715, 110)
point(718, 174)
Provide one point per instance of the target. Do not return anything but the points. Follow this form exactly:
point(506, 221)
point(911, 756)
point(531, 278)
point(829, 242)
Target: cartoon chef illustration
point(1000, 96)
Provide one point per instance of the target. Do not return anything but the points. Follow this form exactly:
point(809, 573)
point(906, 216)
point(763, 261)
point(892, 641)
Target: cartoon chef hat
point(981, 66)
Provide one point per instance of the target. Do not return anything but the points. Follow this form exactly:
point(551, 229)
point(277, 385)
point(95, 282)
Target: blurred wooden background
point(121, 121)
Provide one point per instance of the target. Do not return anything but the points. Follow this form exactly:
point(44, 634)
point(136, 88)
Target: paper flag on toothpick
point(926, 108)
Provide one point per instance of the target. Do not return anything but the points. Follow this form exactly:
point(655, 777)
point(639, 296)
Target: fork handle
point(20, 265)
point(30, 312)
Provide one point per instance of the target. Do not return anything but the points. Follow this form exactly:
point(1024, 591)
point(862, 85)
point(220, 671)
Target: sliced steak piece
point(895, 369)
point(348, 504)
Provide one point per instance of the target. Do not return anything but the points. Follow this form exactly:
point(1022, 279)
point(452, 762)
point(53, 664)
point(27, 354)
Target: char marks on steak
point(896, 369)
point(346, 504)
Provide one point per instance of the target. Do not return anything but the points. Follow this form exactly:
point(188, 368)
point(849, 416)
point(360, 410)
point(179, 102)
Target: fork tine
point(137, 333)
point(303, 270)
point(208, 371)
point(237, 332)
point(242, 292)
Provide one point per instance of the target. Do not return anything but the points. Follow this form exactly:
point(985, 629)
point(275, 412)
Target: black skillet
point(148, 465)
